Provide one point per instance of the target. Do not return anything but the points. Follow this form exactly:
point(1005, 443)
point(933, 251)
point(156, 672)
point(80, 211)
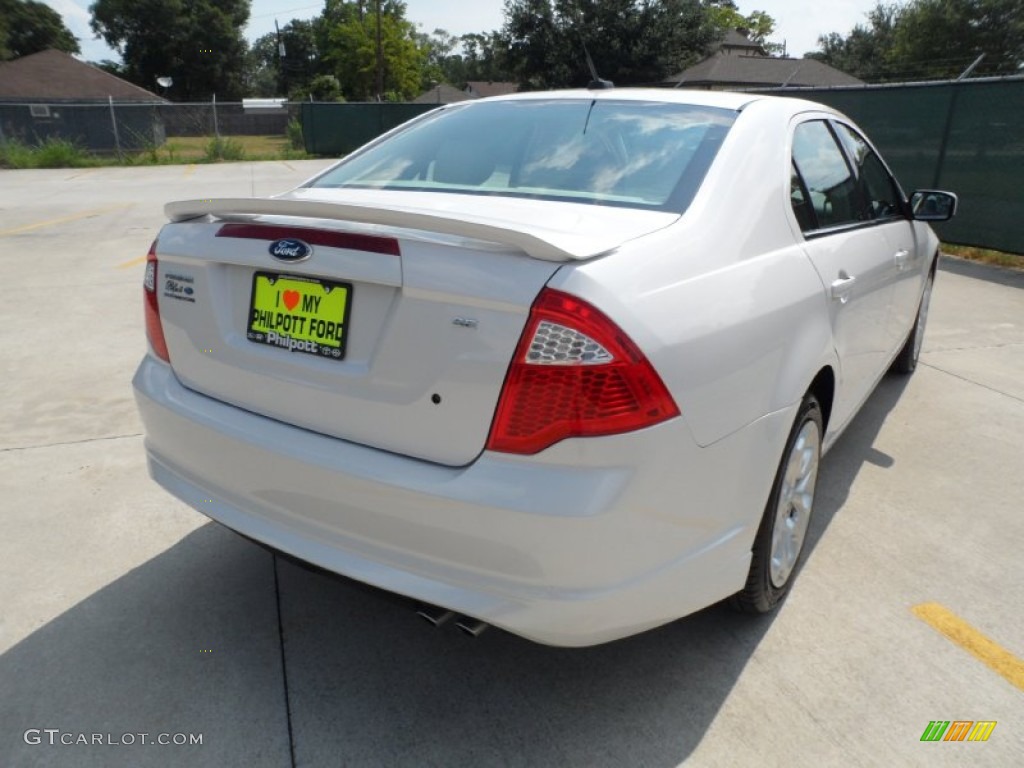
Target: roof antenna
point(598, 83)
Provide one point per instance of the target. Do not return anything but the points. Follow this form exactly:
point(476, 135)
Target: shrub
point(224, 149)
point(16, 154)
point(61, 153)
point(294, 132)
point(52, 153)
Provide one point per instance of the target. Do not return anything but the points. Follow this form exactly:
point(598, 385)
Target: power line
point(287, 10)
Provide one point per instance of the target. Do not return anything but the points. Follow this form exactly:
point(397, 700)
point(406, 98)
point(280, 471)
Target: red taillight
point(154, 330)
point(574, 374)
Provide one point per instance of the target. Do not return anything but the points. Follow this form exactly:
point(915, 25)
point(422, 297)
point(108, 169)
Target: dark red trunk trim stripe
point(349, 240)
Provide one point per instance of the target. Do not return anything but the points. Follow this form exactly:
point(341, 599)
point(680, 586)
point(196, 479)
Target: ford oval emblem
point(290, 250)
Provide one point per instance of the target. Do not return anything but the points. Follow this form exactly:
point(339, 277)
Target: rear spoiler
point(554, 247)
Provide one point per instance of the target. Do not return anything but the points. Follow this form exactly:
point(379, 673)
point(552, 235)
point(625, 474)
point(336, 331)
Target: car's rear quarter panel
point(725, 302)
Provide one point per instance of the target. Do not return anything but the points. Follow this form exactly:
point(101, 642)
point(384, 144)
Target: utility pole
point(282, 80)
point(380, 60)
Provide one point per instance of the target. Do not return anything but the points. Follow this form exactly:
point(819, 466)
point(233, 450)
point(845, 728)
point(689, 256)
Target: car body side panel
point(726, 303)
point(860, 316)
point(920, 244)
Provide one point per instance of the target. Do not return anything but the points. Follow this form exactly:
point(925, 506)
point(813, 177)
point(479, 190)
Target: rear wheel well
point(823, 388)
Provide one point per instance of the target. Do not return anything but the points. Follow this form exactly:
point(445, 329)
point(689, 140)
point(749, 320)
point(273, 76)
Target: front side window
point(645, 155)
point(829, 182)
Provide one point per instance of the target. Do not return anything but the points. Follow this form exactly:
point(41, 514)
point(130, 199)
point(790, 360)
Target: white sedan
point(564, 363)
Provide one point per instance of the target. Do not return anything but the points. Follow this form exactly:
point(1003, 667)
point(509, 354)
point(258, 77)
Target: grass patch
point(52, 153)
point(60, 153)
point(194, 149)
point(984, 256)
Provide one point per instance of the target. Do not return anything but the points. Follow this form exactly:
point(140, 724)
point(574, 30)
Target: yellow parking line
point(986, 651)
point(131, 263)
point(86, 172)
point(63, 219)
point(190, 170)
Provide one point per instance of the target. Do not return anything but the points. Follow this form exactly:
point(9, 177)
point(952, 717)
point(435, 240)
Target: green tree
point(269, 73)
point(724, 15)
point(320, 88)
point(28, 27)
point(346, 38)
point(930, 39)
point(5, 52)
point(198, 43)
point(936, 39)
point(115, 68)
point(631, 41)
point(443, 64)
point(485, 57)
point(261, 71)
point(867, 51)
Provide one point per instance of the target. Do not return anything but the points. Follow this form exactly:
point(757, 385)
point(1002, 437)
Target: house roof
point(483, 88)
point(442, 94)
point(760, 71)
point(57, 76)
point(737, 39)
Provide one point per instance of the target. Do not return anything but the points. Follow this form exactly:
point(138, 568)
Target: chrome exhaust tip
point(434, 615)
point(472, 627)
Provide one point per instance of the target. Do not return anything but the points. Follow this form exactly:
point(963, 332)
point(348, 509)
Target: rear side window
point(880, 192)
point(635, 154)
point(828, 179)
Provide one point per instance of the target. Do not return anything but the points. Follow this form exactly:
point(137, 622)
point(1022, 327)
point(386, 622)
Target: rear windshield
point(635, 154)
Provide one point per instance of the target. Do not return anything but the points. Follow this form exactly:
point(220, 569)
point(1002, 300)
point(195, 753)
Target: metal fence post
point(950, 116)
point(216, 127)
point(940, 161)
point(113, 122)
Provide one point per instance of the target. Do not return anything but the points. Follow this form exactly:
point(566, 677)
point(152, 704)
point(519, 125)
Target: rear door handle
point(841, 288)
point(900, 257)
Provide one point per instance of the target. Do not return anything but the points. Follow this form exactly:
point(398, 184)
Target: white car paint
point(351, 466)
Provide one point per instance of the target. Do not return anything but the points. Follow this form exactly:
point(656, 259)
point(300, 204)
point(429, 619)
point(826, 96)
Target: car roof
point(720, 99)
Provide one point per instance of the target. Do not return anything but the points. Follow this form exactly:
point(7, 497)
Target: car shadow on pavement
point(1013, 278)
point(185, 643)
point(854, 449)
point(190, 642)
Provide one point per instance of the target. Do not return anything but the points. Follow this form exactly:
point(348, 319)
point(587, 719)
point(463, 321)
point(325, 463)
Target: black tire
point(766, 586)
point(906, 360)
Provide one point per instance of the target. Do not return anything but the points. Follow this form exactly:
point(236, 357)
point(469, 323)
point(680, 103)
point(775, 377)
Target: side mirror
point(933, 205)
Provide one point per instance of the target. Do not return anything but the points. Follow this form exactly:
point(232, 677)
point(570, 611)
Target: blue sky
point(797, 22)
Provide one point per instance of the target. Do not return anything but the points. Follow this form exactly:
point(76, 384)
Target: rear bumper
point(589, 541)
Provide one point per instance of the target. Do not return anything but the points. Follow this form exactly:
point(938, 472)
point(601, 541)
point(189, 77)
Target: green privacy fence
point(336, 129)
point(965, 136)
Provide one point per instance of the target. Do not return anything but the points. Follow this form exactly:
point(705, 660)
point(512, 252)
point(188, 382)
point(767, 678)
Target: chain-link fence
point(171, 130)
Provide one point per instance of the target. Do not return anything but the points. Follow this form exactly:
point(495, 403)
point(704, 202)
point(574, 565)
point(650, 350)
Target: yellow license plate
point(300, 314)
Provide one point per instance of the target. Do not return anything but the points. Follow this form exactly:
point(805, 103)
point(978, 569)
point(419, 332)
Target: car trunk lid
point(427, 309)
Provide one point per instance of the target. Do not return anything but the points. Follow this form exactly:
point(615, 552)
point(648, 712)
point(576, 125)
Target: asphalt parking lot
point(123, 612)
